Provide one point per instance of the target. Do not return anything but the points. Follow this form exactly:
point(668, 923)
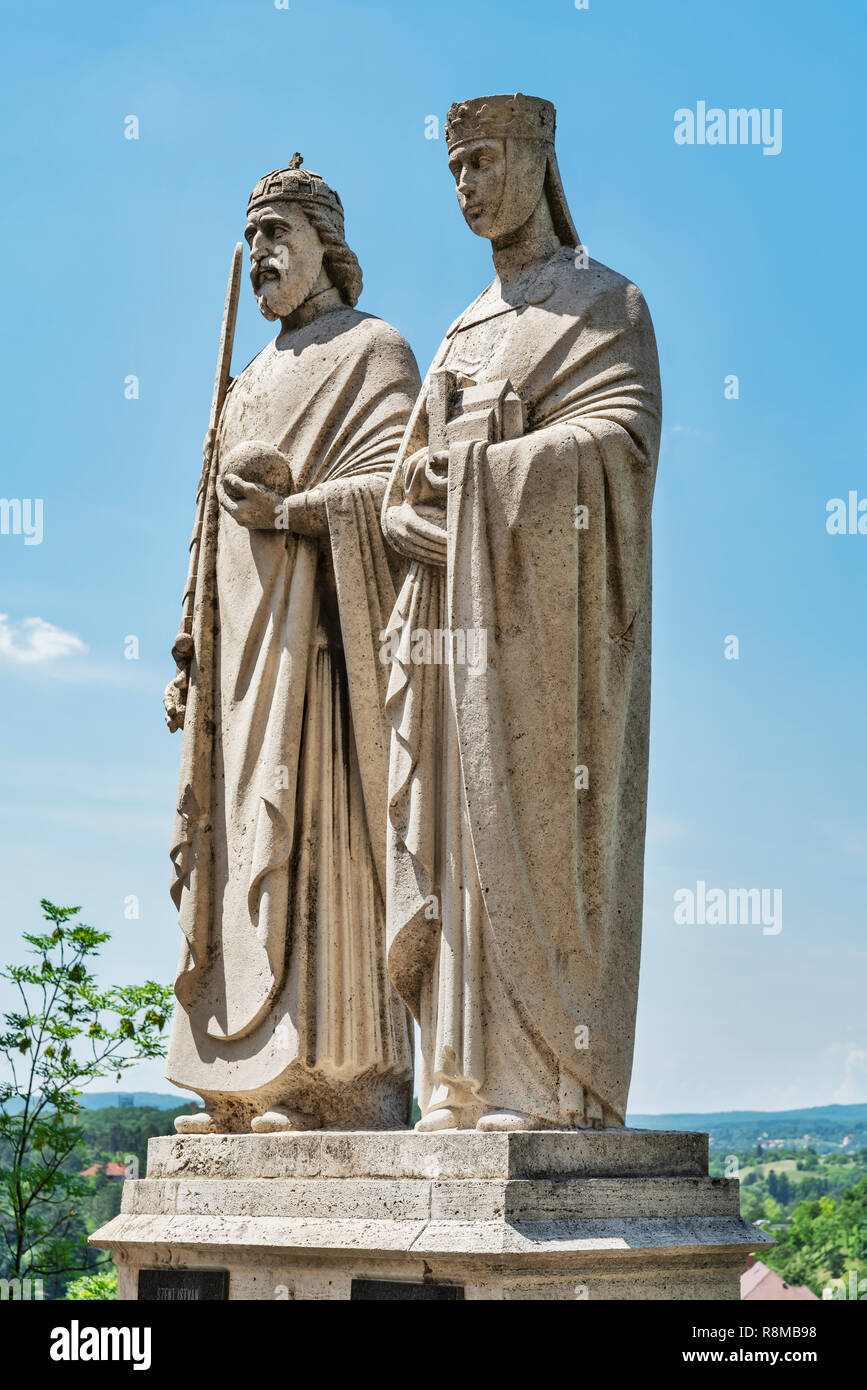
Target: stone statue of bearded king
point(517, 794)
point(286, 1018)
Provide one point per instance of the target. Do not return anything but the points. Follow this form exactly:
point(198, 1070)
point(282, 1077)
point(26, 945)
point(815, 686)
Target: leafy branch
point(64, 1033)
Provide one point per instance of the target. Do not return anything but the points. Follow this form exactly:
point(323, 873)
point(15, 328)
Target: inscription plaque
point(392, 1288)
point(183, 1285)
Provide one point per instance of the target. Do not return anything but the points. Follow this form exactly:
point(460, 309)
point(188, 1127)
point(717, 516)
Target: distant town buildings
point(116, 1171)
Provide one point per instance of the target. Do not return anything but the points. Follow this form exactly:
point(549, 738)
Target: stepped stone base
point(604, 1214)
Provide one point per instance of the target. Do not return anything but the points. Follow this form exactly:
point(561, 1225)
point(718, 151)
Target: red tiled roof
point(111, 1170)
point(760, 1284)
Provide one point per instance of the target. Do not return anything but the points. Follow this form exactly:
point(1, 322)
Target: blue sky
point(117, 253)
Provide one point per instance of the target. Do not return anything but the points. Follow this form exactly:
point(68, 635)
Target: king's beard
point(279, 295)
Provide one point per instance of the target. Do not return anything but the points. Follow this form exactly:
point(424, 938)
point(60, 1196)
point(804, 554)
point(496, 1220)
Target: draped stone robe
point(279, 841)
point(514, 891)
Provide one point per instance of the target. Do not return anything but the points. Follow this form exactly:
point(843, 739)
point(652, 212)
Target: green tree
point(773, 1211)
point(66, 1033)
point(102, 1285)
point(826, 1241)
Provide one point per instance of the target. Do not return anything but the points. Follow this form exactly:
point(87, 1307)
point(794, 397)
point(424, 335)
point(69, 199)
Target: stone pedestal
point(606, 1214)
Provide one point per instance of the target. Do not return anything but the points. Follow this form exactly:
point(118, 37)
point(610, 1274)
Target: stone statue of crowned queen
point(522, 497)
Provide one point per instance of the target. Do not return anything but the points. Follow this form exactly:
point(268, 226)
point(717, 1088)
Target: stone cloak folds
point(278, 844)
point(538, 878)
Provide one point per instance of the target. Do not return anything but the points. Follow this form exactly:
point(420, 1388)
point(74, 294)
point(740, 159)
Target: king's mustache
point(267, 269)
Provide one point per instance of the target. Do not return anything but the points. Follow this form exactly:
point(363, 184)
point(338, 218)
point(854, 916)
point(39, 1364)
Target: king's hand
point(250, 504)
point(260, 509)
point(175, 700)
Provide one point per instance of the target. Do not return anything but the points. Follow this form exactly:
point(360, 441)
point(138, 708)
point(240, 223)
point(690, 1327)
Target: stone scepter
point(182, 650)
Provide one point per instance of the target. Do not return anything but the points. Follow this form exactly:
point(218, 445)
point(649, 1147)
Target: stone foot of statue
point(505, 1120)
point(202, 1122)
point(443, 1118)
point(279, 1120)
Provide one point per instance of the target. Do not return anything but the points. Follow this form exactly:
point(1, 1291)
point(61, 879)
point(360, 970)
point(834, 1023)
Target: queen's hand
point(417, 526)
point(426, 479)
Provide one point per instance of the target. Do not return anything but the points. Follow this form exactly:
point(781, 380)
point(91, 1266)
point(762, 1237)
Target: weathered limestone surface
point(522, 495)
point(286, 1019)
point(563, 1215)
point(369, 827)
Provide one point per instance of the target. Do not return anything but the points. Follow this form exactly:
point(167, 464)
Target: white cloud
point(852, 1090)
point(687, 430)
point(34, 640)
point(669, 829)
